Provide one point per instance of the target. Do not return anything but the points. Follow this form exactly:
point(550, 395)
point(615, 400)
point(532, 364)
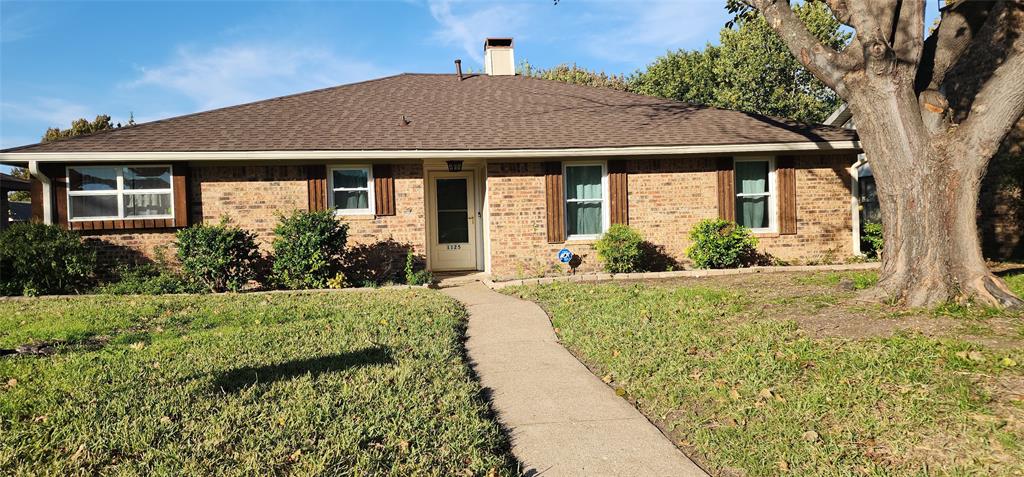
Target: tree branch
point(957, 28)
point(827, 64)
point(997, 107)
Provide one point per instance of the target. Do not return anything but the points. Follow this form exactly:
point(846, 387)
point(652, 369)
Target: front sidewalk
point(563, 420)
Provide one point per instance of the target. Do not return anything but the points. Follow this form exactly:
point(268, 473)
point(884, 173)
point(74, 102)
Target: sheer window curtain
point(752, 194)
point(583, 191)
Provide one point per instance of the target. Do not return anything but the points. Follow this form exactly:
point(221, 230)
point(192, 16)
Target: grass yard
point(772, 374)
point(262, 384)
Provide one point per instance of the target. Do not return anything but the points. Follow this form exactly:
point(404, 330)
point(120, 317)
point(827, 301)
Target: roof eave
point(284, 155)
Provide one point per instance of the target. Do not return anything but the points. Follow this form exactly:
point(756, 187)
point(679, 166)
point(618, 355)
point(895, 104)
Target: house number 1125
point(454, 247)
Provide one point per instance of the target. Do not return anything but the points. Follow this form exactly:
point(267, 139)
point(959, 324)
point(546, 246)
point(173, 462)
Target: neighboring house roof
point(439, 112)
point(840, 117)
point(12, 183)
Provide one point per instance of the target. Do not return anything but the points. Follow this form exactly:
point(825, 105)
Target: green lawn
point(760, 376)
point(261, 384)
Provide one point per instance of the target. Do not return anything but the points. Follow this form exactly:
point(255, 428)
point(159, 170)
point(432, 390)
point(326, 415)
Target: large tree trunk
point(928, 192)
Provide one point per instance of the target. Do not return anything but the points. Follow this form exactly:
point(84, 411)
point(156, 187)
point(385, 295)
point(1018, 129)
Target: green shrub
point(620, 249)
point(871, 240)
point(148, 279)
point(414, 276)
point(219, 257)
point(308, 248)
point(37, 259)
point(720, 243)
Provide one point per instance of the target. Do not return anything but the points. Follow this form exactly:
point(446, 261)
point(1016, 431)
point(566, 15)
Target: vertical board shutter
point(726, 189)
point(554, 194)
point(59, 183)
point(180, 185)
point(618, 193)
point(317, 186)
point(785, 172)
point(384, 189)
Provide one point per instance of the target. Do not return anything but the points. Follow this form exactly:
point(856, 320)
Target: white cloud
point(469, 28)
point(240, 73)
point(55, 112)
point(659, 25)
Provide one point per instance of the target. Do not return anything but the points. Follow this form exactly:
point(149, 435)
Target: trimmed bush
point(149, 279)
point(720, 243)
point(871, 240)
point(308, 247)
point(38, 259)
point(620, 249)
point(220, 257)
point(375, 264)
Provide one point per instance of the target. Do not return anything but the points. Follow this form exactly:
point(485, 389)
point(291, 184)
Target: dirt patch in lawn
point(831, 305)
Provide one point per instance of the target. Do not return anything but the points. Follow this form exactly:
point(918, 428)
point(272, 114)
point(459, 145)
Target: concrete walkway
point(563, 419)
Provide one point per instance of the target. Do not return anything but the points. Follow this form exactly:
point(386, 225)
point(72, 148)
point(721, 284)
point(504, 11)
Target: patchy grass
point(856, 280)
point(738, 373)
point(309, 383)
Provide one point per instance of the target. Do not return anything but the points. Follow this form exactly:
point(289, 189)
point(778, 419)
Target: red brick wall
point(253, 197)
point(667, 197)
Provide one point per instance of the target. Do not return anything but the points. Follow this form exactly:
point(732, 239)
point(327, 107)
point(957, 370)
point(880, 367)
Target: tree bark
point(928, 191)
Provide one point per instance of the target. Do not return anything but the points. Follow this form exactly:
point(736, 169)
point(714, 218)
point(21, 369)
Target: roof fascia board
point(427, 154)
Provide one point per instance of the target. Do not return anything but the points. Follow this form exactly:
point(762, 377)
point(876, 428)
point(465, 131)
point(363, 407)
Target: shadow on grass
point(241, 378)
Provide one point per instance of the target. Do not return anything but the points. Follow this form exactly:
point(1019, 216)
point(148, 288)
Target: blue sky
point(64, 60)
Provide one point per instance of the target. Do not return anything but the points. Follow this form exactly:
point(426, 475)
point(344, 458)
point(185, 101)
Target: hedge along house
point(492, 172)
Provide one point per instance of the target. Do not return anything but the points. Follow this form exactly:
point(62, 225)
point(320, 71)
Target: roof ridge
point(222, 108)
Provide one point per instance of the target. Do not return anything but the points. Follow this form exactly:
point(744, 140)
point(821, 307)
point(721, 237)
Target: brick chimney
point(498, 57)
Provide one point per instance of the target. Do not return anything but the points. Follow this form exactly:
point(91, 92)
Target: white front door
point(453, 234)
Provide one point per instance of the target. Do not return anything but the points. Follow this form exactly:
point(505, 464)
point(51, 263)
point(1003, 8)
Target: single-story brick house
point(493, 172)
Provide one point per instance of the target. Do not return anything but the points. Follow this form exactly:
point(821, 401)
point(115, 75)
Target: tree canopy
point(751, 69)
point(81, 126)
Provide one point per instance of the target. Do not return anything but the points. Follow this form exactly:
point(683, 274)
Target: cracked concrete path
point(563, 419)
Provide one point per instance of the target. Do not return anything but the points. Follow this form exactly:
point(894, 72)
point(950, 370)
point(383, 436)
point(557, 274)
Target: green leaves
point(38, 259)
point(751, 69)
point(619, 249)
point(222, 257)
point(719, 243)
point(307, 249)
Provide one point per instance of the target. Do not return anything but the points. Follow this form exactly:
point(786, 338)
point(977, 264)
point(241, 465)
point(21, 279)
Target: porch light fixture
point(454, 166)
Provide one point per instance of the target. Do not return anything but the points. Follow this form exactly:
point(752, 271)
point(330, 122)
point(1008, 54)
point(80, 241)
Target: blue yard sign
point(564, 255)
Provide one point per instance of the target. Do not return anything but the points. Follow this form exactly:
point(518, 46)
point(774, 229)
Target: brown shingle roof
point(480, 112)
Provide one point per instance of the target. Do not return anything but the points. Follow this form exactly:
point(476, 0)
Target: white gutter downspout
point(33, 169)
point(855, 203)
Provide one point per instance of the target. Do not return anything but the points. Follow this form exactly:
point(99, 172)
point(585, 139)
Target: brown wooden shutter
point(384, 189)
point(726, 189)
point(554, 198)
point(785, 174)
point(317, 187)
point(59, 188)
point(180, 185)
point(618, 193)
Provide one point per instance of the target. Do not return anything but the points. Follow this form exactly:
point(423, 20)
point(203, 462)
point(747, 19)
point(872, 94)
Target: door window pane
point(147, 205)
point(351, 199)
point(451, 194)
point(86, 206)
point(138, 177)
point(92, 178)
point(583, 182)
point(452, 211)
point(452, 226)
point(350, 179)
point(752, 177)
point(752, 212)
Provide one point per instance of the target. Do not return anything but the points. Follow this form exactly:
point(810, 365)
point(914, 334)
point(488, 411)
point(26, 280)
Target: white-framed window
point(755, 193)
point(351, 190)
point(586, 200)
point(118, 192)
